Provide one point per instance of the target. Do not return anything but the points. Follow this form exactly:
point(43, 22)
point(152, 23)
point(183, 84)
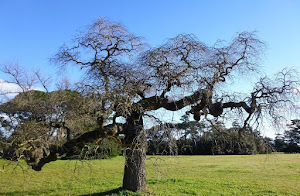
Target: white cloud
point(10, 90)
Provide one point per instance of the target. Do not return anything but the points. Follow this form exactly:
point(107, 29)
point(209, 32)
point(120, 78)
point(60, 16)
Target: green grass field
point(274, 174)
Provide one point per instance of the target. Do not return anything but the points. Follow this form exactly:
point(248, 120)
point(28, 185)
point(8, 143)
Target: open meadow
point(273, 174)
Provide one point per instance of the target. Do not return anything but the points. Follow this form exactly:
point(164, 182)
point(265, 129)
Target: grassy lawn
point(274, 174)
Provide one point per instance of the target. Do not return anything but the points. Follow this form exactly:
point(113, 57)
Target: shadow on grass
point(115, 192)
point(21, 193)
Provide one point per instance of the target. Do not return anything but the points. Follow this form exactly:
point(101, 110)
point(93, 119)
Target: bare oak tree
point(125, 78)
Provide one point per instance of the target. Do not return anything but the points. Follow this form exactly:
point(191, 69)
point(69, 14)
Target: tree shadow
point(117, 191)
point(110, 192)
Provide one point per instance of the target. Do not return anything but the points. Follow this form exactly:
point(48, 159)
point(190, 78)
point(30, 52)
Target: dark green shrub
point(104, 148)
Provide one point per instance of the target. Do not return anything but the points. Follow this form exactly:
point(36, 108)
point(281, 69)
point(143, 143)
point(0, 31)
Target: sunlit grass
point(230, 175)
point(275, 174)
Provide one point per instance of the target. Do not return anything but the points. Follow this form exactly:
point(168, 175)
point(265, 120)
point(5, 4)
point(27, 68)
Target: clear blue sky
point(32, 31)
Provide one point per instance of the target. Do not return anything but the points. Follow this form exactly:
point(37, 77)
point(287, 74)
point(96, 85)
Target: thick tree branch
point(156, 102)
point(78, 142)
point(242, 104)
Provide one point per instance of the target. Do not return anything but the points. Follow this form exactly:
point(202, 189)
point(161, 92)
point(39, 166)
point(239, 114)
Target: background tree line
point(195, 138)
point(289, 142)
point(186, 138)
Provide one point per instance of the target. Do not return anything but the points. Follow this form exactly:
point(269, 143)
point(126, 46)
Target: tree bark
point(135, 171)
point(135, 156)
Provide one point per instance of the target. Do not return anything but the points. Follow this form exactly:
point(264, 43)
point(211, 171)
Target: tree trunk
point(135, 156)
point(135, 172)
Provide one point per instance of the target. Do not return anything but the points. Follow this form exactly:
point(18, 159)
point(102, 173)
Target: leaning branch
point(68, 147)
